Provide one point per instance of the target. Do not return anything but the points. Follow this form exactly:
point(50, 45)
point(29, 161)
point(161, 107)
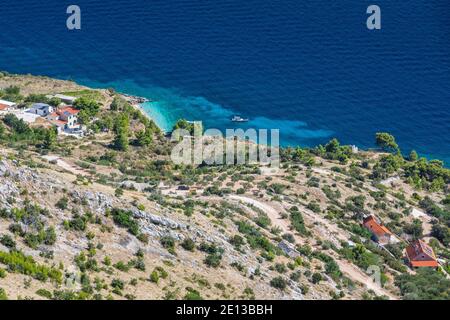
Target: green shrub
point(331, 267)
point(362, 257)
point(316, 277)
point(279, 283)
point(125, 219)
point(297, 222)
point(262, 220)
point(139, 264)
point(168, 242)
point(192, 294)
point(107, 261)
point(18, 262)
point(117, 284)
point(295, 276)
point(237, 241)
point(78, 222)
point(44, 293)
point(313, 206)
point(62, 203)
point(122, 266)
point(442, 233)
point(162, 273)
point(154, 277)
point(188, 244)
point(8, 241)
point(3, 295)
point(280, 268)
point(213, 260)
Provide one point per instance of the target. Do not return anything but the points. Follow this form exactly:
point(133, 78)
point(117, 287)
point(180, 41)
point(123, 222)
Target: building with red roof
point(420, 254)
point(69, 114)
point(380, 233)
point(65, 119)
point(6, 105)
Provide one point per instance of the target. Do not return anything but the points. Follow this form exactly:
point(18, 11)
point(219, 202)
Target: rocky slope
point(80, 219)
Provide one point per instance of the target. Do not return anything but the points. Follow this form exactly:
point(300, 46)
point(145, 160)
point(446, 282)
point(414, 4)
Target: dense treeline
point(16, 130)
point(426, 284)
point(421, 173)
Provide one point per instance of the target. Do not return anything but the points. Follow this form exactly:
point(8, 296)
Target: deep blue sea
point(308, 67)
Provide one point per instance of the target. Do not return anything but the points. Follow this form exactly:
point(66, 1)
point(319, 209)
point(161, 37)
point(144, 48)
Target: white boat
point(236, 118)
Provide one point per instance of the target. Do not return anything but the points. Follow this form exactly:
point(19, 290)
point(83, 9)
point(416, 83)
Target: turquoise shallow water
point(168, 105)
point(308, 68)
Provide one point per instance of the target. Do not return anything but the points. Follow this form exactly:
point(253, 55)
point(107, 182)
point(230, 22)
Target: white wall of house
point(72, 121)
point(40, 109)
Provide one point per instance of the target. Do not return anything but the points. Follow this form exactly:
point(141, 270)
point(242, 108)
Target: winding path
point(349, 269)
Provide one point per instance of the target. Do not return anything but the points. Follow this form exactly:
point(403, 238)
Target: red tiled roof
point(68, 109)
point(376, 228)
point(429, 263)
point(421, 254)
point(58, 122)
point(3, 106)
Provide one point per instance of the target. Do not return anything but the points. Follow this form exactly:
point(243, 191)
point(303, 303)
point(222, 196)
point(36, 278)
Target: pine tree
point(121, 141)
point(2, 130)
point(121, 129)
point(144, 137)
point(386, 142)
point(50, 139)
point(413, 156)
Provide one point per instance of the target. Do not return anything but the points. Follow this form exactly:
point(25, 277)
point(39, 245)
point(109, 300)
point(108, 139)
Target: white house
point(27, 117)
point(69, 115)
point(6, 105)
point(41, 109)
point(65, 120)
point(59, 124)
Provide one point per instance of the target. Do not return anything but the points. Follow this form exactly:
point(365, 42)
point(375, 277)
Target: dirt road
point(64, 165)
point(347, 268)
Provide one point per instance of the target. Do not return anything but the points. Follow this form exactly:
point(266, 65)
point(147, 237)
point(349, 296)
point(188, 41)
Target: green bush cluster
point(257, 240)
point(426, 284)
point(20, 131)
point(125, 219)
point(20, 263)
point(3, 295)
point(297, 221)
point(214, 256)
point(279, 283)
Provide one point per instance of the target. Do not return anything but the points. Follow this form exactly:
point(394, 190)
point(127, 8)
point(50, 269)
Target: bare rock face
point(96, 201)
point(158, 226)
point(8, 188)
point(146, 217)
point(4, 168)
point(132, 185)
point(288, 249)
point(22, 174)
